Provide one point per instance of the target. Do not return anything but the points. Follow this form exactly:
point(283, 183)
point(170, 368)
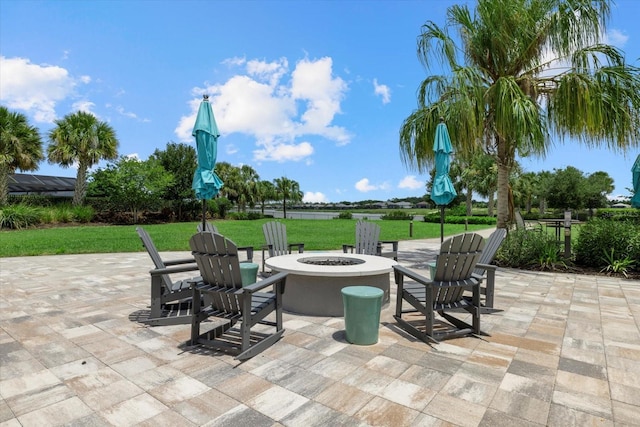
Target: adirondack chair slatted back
point(208, 227)
point(275, 234)
point(454, 266)
point(217, 259)
point(491, 248)
point(367, 238)
point(153, 253)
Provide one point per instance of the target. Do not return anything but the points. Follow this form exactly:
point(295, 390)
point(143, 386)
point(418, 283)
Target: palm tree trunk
point(490, 203)
point(81, 185)
point(469, 200)
point(503, 196)
point(284, 208)
point(4, 184)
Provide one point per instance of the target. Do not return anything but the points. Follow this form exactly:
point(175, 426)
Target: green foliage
point(180, 160)
point(616, 214)
point(451, 219)
point(18, 217)
point(398, 216)
point(83, 214)
point(621, 238)
point(523, 248)
point(130, 184)
point(615, 264)
point(345, 215)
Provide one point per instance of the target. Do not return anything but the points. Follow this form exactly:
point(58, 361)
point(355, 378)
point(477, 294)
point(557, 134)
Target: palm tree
point(265, 191)
point(20, 148)
point(524, 70)
point(287, 189)
point(81, 139)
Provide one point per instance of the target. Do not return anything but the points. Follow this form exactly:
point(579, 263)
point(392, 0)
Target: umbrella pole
point(204, 215)
point(441, 223)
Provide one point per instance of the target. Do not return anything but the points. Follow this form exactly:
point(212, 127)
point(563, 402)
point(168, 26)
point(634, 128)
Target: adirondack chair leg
point(245, 327)
point(195, 316)
point(489, 289)
point(429, 318)
point(156, 297)
point(400, 283)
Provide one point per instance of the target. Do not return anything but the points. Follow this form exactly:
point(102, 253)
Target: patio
point(564, 352)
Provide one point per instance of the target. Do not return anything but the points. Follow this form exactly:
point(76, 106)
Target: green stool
point(432, 270)
point(249, 273)
point(362, 313)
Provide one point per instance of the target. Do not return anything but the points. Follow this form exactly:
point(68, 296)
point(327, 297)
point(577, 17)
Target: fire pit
point(315, 280)
point(331, 260)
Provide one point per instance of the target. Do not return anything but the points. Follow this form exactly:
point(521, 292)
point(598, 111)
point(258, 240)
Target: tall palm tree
point(20, 148)
point(81, 139)
point(265, 191)
point(287, 189)
point(523, 71)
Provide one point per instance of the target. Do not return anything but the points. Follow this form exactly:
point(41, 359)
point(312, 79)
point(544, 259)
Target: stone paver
point(564, 351)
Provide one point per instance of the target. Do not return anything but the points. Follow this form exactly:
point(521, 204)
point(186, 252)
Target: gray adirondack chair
point(213, 229)
point(217, 259)
point(170, 300)
point(445, 293)
point(368, 241)
point(275, 235)
point(486, 271)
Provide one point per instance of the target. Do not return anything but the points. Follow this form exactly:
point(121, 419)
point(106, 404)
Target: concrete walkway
point(564, 352)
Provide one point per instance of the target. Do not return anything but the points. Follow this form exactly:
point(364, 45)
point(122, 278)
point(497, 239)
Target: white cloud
point(34, 88)
point(263, 104)
point(410, 182)
point(314, 197)
point(616, 38)
point(365, 186)
point(382, 90)
point(84, 106)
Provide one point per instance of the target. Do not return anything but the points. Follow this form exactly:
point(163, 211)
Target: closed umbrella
point(442, 191)
point(205, 182)
point(635, 170)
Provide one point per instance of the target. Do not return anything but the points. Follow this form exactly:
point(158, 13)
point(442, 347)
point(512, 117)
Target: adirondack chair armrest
point(249, 250)
point(172, 270)
point(179, 261)
point(394, 249)
point(277, 279)
point(398, 269)
point(348, 248)
point(299, 246)
point(486, 267)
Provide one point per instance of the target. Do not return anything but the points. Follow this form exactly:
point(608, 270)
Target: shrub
point(452, 219)
point(83, 214)
point(398, 216)
point(525, 248)
point(19, 216)
point(345, 215)
point(618, 239)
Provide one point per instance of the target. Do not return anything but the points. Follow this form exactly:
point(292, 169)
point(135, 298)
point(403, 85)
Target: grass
point(315, 234)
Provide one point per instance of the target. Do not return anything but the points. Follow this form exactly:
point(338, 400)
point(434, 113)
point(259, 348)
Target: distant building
point(400, 205)
point(21, 184)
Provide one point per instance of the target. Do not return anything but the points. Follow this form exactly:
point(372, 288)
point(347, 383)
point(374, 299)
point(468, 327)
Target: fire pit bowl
point(315, 280)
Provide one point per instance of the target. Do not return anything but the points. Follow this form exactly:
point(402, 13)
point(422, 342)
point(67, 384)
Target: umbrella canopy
point(442, 191)
point(205, 182)
point(635, 170)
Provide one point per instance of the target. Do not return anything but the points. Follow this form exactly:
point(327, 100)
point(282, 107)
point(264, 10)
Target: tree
point(265, 191)
point(20, 148)
point(131, 184)
point(180, 160)
point(81, 139)
point(523, 71)
point(287, 189)
point(598, 186)
point(566, 189)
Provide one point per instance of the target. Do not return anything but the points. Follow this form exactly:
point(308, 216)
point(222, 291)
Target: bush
point(604, 240)
point(345, 215)
point(632, 215)
point(451, 219)
point(19, 216)
point(525, 248)
point(83, 214)
point(398, 216)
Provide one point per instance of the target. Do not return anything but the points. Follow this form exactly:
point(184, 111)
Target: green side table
point(249, 273)
point(362, 306)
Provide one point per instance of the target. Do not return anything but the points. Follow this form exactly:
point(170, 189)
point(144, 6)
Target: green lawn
point(315, 234)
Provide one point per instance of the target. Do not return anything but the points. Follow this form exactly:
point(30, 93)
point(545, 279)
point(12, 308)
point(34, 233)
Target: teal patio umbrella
point(205, 181)
point(442, 191)
point(635, 171)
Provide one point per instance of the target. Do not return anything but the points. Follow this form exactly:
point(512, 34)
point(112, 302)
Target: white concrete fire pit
point(315, 279)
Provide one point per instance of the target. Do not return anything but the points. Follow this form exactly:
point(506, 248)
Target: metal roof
point(26, 183)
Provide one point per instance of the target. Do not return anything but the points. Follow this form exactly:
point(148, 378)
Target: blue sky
point(312, 90)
